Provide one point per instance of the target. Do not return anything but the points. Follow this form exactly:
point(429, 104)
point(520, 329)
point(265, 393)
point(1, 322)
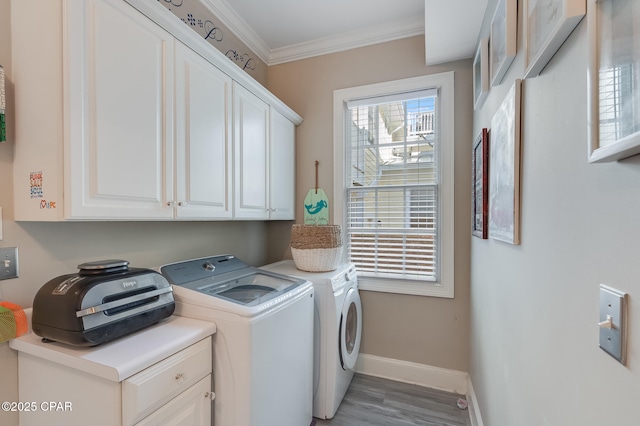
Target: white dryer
point(337, 331)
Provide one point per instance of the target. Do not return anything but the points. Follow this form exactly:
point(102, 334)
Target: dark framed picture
point(480, 185)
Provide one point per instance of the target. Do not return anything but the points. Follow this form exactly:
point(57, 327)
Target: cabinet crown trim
point(171, 23)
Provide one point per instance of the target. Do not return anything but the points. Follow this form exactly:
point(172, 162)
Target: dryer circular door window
point(350, 329)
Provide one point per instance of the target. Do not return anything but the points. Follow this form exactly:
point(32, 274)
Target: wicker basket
point(316, 248)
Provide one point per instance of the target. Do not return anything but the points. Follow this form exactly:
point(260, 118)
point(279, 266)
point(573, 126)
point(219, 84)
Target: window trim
point(444, 286)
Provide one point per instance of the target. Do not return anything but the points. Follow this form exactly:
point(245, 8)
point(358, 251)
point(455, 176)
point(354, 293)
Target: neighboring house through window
point(393, 156)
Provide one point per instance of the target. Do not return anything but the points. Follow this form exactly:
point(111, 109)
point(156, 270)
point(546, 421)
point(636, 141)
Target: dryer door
point(350, 329)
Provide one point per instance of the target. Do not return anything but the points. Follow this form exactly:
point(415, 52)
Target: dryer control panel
point(348, 276)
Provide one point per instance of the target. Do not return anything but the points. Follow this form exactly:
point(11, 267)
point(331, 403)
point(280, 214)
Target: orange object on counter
point(20, 324)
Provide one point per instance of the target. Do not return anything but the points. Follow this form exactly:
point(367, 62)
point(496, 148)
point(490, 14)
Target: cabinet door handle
point(181, 377)
point(183, 203)
point(171, 203)
point(210, 395)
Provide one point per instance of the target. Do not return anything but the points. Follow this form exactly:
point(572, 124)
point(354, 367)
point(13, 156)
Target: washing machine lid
point(251, 289)
point(227, 277)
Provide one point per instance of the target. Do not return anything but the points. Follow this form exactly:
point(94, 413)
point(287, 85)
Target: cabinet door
point(251, 137)
point(119, 77)
point(190, 408)
point(203, 141)
point(282, 166)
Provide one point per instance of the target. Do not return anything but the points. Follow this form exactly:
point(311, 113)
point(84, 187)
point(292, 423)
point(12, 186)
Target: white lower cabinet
point(174, 391)
point(152, 388)
point(187, 409)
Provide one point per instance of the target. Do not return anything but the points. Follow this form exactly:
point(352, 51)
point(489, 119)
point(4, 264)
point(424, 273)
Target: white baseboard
point(414, 373)
point(474, 408)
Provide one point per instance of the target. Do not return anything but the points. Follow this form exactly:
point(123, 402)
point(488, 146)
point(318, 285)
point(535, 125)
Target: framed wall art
point(481, 73)
point(504, 173)
point(480, 184)
point(503, 47)
point(613, 81)
point(547, 24)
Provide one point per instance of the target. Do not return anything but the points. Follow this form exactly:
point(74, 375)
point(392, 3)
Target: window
point(393, 159)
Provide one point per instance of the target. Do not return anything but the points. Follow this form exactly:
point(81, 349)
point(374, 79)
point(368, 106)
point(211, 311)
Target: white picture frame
point(481, 84)
point(547, 24)
point(503, 47)
point(612, 85)
point(504, 170)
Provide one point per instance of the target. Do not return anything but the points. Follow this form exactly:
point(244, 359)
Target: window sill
point(416, 288)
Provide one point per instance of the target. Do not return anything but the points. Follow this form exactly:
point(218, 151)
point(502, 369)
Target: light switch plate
point(8, 262)
point(613, 340)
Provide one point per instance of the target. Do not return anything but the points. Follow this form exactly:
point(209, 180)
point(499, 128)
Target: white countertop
point(126, 356)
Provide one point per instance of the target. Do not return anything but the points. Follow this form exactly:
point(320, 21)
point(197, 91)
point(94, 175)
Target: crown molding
point(337, 43)
point(239, 28)
point(346, 41)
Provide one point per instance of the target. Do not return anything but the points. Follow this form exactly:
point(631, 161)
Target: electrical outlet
point(8, 262)
point(613, 322)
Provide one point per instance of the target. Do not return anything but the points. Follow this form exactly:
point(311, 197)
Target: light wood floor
point(375, 401)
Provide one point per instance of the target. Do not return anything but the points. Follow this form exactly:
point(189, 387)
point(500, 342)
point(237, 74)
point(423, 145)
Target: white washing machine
point(337, 332)
point(263, 346)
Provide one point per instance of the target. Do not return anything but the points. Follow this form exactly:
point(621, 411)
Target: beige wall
point(8, 358)
point(419, 329)
point(535, 359)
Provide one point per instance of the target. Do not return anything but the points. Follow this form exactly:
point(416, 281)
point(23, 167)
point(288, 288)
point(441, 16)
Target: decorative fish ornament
point(316, 205)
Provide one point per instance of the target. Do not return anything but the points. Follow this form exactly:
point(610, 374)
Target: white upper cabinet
point(120, 114)
point(94, 112)
point(282, 160)
point(251, 150)
point(264, 152)
point(125, 113)
point(203, 138)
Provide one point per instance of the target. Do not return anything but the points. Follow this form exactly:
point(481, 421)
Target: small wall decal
point(44, 204)
point(35, 185)
point(245, 61)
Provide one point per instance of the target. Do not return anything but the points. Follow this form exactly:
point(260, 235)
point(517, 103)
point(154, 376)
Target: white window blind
point(392, 211)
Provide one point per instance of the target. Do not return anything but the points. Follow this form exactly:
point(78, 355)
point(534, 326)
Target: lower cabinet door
point(191, 408)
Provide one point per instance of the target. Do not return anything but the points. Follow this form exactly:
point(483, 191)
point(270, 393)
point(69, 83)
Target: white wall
point(535, 358)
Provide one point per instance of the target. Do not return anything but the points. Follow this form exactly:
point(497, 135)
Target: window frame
point(444, 83)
